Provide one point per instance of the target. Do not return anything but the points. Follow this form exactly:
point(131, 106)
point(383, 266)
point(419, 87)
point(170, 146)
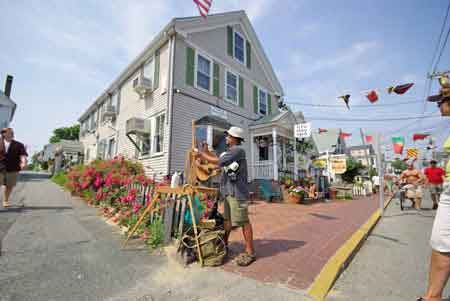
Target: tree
point(353, 169)
point(65, 133)
point(398, 165)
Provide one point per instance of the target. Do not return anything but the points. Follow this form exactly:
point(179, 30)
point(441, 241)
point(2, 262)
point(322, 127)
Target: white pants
point(440, 236)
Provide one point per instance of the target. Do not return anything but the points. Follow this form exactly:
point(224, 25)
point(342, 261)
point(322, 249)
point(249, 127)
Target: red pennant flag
point(398, 143)
point(372, 96)
point(420, 136)
point(344, 135)
point(322, 131)
point(369, 139)
point(400, 89)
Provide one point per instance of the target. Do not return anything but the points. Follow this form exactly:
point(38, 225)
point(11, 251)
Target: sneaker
point(435, 206)
point(5, 204)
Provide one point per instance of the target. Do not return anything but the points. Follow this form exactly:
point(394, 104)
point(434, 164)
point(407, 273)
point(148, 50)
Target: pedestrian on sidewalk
point(440, 235)
point(435, 178)
point(414, 180)
point(234, 190)
point(13, 158)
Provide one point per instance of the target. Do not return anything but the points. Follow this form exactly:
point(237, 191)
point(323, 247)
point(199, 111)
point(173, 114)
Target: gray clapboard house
point(212, 71)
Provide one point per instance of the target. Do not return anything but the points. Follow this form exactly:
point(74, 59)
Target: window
point(149, 69)
point(111, 147)
point(239, 50)
point(88, 152)
point(92, 121)
point(114, 100)
point(264, 153)
point(203, 73)
point(145, 145)
point(232, 87)
point(159, 134)
point(262, 102)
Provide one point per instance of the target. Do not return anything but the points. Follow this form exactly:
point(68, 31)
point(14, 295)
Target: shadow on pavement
point(389, 238)
point(269, 247)
point(323, 216)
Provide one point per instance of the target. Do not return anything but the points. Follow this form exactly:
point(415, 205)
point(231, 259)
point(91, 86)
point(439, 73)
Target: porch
point(273, 154)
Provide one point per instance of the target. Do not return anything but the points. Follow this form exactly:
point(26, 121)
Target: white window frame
point(234, 47)
point(226, 87)
point(113, 151)
point(259, 101)
point(211, 75)
point(153, 142)
point(141, 144)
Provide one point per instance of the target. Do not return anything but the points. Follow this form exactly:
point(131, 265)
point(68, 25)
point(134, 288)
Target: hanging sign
point(338, 164)
point(302, 130)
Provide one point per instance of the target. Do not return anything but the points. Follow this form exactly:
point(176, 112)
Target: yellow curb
point(329, 273)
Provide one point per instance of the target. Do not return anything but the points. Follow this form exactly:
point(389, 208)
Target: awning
point(214, 121)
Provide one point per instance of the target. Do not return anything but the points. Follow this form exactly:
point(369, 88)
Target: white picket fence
point(363, 189)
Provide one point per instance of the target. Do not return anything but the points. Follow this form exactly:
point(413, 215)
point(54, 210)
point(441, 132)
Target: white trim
point(251, 35)
point(217, 60)
point(211, 70)
point(244, 46)
point(226, 86)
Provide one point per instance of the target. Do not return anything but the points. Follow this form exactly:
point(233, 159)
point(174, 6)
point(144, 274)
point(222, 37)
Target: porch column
point(284, 155)
point(252, 154)
point(295, 160)
point(275, 158)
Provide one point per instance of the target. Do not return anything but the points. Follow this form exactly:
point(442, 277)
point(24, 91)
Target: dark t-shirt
point(238, 188)
point(12, 157)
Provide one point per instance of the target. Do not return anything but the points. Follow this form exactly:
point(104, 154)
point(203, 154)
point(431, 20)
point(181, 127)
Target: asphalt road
point(393, 263)
point(56, 248)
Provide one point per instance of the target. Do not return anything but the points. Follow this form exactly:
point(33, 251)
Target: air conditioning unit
point(137, 126)
point(109, 113)
point(143, 86)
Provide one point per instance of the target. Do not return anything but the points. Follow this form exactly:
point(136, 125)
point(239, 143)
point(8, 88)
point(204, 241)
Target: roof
point(213, 120)
point(183, 26)
point(296, 117)
point(325, 141)
point(6, 101)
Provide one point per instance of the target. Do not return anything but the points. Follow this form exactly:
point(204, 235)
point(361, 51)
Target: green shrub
point(156, 238)
point(60, 178)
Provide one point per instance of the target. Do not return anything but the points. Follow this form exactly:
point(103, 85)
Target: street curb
point(319, 289)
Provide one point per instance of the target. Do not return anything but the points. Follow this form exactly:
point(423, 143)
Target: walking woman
point(440, 237)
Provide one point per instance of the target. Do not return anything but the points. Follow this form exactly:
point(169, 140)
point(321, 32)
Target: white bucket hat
point(236, 132)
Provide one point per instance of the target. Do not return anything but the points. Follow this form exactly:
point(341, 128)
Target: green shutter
point(190, 66)
point(269, 103)
point(230, 40)
point(249, 54)
point(216, 81)
point(241, 92)
point(156, 75)
point(255, 99)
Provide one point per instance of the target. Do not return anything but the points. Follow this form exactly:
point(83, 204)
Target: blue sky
point(63, 54)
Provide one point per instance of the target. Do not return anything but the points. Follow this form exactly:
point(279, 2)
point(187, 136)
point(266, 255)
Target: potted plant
point(296, 194)
point(286, 183)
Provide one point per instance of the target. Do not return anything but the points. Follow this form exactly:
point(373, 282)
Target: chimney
point(8, 84)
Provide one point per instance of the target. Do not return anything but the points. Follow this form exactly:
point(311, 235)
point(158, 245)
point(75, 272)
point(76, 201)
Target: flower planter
point(295, 198)
point(285, 192)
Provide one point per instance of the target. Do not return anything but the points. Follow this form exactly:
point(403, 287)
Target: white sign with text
point(302, 130)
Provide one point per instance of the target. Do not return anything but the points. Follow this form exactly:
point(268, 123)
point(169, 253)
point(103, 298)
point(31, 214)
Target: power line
point(439, 40)
point(374, 120)
point(354, 106)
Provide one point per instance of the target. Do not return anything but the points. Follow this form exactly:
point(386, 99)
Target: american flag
point(203, 7)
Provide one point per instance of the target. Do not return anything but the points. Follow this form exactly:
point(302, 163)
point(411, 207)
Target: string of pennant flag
point(373, 95)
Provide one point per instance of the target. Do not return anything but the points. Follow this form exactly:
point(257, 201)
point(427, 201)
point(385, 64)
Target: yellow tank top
point(447, 150)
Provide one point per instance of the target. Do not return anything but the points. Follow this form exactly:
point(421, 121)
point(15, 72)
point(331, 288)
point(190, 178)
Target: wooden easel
point(189, 190)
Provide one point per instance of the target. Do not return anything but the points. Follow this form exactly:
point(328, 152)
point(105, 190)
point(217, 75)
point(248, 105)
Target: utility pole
point(380, 172)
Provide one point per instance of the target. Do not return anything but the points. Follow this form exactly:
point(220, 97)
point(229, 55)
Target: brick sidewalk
point(294, 242)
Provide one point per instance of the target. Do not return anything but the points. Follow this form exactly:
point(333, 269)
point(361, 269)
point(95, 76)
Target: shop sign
point(302, 130)
point(338, 164)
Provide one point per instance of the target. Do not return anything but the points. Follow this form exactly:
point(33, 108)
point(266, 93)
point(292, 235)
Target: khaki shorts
point(413, 192)
point(236, 211)
point(9, 178)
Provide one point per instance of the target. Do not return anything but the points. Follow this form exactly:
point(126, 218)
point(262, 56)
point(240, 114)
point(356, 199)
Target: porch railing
point(263, 170)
